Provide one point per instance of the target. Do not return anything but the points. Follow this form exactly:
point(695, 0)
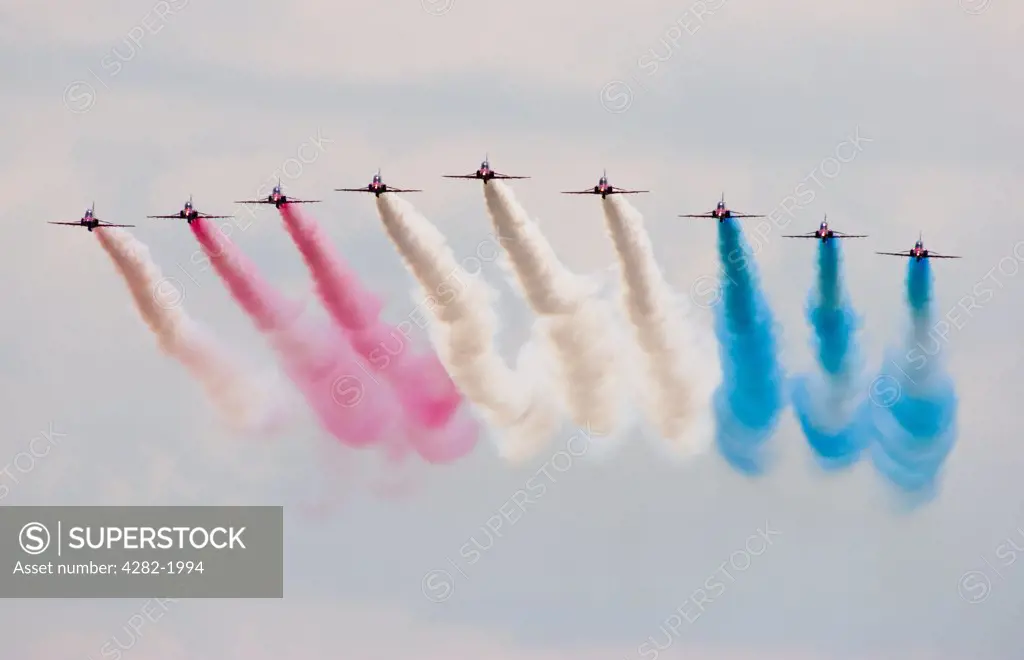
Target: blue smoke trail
point(914, 399)
point(749, 400)
point(826, 403)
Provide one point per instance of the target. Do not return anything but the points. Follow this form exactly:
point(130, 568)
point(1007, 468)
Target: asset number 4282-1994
point(157, 568)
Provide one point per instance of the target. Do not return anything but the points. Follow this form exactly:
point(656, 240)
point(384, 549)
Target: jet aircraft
point(188, 213)
point(484, 173)
point(603, 188)
point(89, 220)
point(721, 212)
point(377, 187)
point(918, 252)
point(278, 198)
point(825, 233)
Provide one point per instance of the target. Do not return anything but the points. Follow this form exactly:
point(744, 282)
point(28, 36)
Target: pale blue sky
point(750, 102)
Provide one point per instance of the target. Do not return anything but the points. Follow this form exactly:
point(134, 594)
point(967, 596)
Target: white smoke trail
point(235, 395)
point(577, 323)
point(511, 400)
point(682, 361)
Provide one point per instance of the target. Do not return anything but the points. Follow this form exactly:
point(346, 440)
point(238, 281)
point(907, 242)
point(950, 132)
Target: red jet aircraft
point(377, 187)
point(278, 199)
point(89, 220)
point(825, 233)
point(721, 212)
point(188, 213)
point(603, 188)
point(484, 173)
point(918, 252)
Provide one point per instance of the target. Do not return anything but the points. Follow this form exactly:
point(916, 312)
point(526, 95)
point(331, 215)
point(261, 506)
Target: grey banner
point(142, 552)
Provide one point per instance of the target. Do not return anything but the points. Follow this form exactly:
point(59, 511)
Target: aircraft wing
point(290, 200)
point(363, 189)
point(211, 217)
point(839, 234)
point(169, 217)
point(69, 224)
point(507, 176)
point(397, 190)
point(808, 235)
point(932, 255)
point(110, 224)
point(462, 176)
point(744, 215)
point(588, 191)
point(620, 191)
point(253, 201)
point(895, 254)
point(709, 214)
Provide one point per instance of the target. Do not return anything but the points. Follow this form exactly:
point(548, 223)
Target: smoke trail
point(576, 323)
point(423, 386)
point(464, 334)
point(826, 403)
point(682, 374)
point(235, 395)
point(915, 402)
point(748, 402)
point(322, 364)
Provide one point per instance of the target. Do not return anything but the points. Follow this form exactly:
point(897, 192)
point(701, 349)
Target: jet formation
point(486, 173)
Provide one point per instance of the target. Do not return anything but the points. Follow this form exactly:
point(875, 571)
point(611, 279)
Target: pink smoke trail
point(421, 382)
point(357, 411)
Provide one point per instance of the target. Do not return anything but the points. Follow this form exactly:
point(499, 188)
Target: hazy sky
point(136, 105)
